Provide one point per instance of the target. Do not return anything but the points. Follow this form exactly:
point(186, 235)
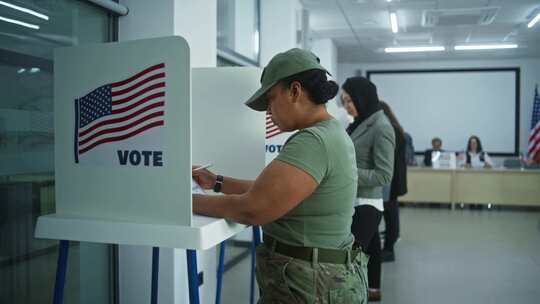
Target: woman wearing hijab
point(373, 138)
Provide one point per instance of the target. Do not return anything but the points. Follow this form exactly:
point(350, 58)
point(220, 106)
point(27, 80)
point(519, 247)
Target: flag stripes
point(122, 109)
point(271, 128)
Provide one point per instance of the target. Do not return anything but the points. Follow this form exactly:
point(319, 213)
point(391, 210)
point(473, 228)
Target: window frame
point(230, 55)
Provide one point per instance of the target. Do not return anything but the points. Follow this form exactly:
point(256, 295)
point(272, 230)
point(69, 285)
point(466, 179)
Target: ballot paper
point(440, 160)
point(196, 188)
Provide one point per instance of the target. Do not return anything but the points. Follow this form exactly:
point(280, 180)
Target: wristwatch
point(218, 184)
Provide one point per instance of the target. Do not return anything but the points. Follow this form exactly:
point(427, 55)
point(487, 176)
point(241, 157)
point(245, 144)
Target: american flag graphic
point(534, 137)
point(120, 110)
point(271, 129)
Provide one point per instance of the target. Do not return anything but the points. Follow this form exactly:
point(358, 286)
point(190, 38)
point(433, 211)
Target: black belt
point(333, 256)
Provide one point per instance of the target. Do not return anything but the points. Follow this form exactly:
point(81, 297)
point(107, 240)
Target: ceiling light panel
point(24, 10)
point(484, 47)
point(534, 21)
point(18, 22)
point(414, 49)
point(393, 22)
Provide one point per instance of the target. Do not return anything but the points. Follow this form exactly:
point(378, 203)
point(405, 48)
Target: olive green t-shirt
point(323, 219)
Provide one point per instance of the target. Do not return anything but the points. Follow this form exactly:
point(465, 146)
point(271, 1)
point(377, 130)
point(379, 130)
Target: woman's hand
point(203, 177)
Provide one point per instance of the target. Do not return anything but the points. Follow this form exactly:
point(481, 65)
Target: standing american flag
point(534, 137)
point(271, 129)
point(120, 110)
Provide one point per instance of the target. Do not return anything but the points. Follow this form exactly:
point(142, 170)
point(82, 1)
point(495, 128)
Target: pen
point(203, 167)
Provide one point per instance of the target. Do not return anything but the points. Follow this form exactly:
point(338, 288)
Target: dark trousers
point(365, 228)
point(391, 222)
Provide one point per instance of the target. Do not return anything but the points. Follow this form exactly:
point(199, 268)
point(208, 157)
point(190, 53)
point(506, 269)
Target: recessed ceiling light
point(24, 10)
point(414, 49)
point(393, 22)
point(533, 22)
point(28, 25)
point(485, 47)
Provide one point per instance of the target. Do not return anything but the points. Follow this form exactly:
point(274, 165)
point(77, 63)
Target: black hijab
point(364, 96)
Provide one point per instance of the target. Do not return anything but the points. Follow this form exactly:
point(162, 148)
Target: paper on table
point(195, 187)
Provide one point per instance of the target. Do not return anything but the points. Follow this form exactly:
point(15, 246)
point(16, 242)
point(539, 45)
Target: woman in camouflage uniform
point(303, 198)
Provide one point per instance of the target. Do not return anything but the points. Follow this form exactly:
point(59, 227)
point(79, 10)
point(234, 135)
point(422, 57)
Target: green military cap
point(283, 65)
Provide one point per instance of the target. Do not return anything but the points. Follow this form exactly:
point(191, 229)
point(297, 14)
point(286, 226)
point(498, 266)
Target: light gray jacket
point(374, 143)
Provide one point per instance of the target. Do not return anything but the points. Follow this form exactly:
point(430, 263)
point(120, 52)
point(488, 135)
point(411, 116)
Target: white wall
point(146, 20)
point(326, 50)
point(196, 21)
point(278, 27)
point(530, 75)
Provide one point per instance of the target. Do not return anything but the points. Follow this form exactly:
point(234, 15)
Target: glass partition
point(29, 33)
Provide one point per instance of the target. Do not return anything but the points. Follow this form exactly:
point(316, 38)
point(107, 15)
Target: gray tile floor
point(450, 256)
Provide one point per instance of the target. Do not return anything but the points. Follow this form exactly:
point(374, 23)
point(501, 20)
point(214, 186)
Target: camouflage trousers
point(287, 280)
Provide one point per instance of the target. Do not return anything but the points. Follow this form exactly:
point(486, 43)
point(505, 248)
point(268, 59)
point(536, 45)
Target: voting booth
point(130, 120)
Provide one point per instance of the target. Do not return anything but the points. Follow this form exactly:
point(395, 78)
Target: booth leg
point(256, 241)
point(155, 275)
point(193, 277)
point(220, 272)
point(61, 273)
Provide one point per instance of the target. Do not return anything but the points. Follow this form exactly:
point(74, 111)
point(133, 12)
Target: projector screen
point(455, 104)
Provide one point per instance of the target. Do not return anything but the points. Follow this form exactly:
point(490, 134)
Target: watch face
point(219, 182)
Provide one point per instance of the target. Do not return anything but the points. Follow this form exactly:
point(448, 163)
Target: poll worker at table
point(303, 198)
point(373, 138)
point(475, 156)
point(436, 146)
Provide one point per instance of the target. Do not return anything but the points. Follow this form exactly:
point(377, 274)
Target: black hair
point(479, 149)
point(392, 117)
point(318, 87)
point(434, 139)
point(364, 97)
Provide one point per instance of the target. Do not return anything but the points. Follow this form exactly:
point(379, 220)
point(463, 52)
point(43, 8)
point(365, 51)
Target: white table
point(489, 186)
point(206, 232)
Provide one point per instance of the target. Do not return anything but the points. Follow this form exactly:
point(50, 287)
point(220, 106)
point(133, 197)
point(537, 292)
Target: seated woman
point(475, 157)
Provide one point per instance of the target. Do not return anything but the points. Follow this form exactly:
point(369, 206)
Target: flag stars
point(95, 105)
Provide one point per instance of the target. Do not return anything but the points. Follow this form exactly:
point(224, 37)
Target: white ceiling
point(371, 31)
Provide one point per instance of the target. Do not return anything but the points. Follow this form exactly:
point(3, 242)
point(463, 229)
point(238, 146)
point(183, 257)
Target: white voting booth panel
point(226, 132)
point(129, 181)
point(99, 185)
point(231, 135)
